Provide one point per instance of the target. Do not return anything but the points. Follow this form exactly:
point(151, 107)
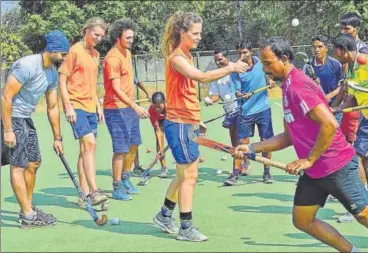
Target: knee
point(88, 146)
point(302, 222)
point(119, 156)
point(190, 178)
point(33, 167)
point(362, 217)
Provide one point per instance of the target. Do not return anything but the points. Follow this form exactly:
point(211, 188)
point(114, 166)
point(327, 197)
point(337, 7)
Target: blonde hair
point(94, 22)
point(177, 22)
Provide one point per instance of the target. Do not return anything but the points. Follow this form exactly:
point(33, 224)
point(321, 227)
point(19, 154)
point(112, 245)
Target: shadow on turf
point(8, 218)
point(323, 213)
point(358, 241)
point(276, 196)
point(126, 227)
point(50, 200)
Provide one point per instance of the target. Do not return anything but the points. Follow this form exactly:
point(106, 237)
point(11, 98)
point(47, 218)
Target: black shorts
point(344, 184)
point(26, 149)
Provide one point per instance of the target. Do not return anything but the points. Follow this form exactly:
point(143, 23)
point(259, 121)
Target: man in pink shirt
point(328, 160)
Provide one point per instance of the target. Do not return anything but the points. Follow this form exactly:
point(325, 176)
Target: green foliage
point(260, 19)
point(12, 47)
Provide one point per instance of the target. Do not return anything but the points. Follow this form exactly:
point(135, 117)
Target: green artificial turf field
point(250, 216)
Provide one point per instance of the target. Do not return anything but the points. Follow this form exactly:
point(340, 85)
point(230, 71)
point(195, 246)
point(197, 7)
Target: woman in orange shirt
point(183, 32)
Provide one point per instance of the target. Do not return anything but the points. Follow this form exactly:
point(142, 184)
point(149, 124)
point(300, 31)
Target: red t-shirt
point(155, 116)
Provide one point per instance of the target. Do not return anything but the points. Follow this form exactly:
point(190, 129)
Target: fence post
point(136, 75)
point(199, 84)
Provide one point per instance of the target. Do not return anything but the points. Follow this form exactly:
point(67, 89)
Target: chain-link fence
point(151, 72)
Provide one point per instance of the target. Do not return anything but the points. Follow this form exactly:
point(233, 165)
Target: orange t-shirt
point(117, 65)
point(81, 68)
point(181, 93)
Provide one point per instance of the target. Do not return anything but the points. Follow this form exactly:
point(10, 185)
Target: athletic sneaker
point(49, 217)
point(267, 178)
point(247, 169)
point(128, 186)
point(347, 217)
point(191, 234)
point(166, 223)
point(81, 202)
point(138, 171)
point(231, 180)
point(97, 198)
point(121, 194)
point(164, 173)
point(34, 220)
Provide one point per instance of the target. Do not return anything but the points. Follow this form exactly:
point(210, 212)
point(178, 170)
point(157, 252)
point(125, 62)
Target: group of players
point(325, 154)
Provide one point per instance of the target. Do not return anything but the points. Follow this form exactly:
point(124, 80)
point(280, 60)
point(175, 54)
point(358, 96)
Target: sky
point(6, 5)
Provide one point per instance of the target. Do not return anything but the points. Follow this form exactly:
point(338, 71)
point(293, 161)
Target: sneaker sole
point(345, 221)
point(163, 227)
point(183, 238)
point(25, 226)
point(122, 199)
point(99, 202)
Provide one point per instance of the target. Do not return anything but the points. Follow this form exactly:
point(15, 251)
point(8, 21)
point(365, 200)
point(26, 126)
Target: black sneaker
point(232, 179)
point(138, 171)
point(34, 221)
point(267, 178)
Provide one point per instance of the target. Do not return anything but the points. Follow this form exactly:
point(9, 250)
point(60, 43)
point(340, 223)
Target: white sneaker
point(347, 217)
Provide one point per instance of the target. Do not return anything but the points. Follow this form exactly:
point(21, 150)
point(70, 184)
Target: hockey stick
point(301, 57)
point(146, 173)
point(200, 140)
point(352, 109)
point(99, 221)
point(246, 96)
point(357, 87)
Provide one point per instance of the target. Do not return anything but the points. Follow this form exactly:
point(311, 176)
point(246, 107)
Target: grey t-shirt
point(35, 80)
point(222, 87)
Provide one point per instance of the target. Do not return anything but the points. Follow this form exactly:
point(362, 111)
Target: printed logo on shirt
point(288, 116)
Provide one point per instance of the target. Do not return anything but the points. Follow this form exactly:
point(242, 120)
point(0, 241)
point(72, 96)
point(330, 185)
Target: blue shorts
point(338, 117)
point(361, 143)
point(123, 126)
point(230, 119)
point(184, 150)
point(344, 184)
point(86, 123)
point(246, 125)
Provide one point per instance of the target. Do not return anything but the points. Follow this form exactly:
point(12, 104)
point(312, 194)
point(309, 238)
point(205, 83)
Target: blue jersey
point(247, 82)
point(329, 74)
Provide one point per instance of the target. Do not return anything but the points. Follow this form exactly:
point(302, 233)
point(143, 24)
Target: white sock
point(354, 249)
point(366, 186)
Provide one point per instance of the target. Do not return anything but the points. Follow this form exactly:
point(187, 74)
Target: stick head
point(143, 181)
point(101, 221)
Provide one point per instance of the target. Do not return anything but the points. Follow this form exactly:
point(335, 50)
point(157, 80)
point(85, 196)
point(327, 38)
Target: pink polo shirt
point(299, 96)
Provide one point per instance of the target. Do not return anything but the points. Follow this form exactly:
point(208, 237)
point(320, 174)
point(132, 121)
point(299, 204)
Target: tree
point(12, 47)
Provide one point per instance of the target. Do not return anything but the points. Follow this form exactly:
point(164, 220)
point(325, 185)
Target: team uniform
point(183, 112)
point(81, 69)
point(121, 120)
point(336, 171)
point(256, 109)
